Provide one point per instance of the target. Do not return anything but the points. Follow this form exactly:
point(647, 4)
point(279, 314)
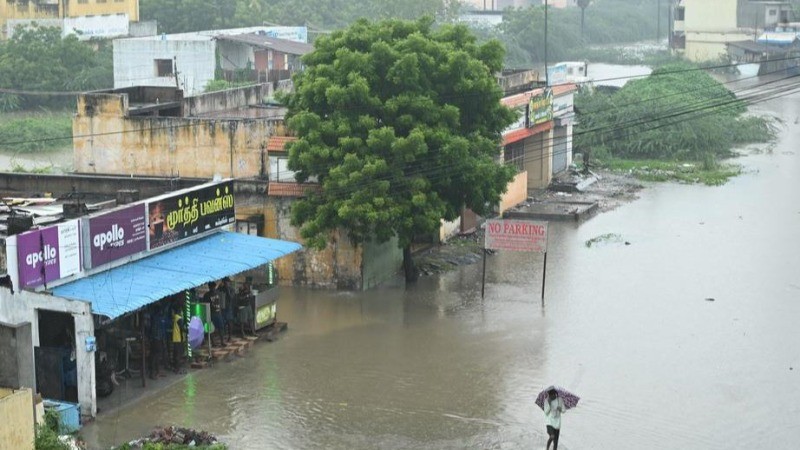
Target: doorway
point(56, 364)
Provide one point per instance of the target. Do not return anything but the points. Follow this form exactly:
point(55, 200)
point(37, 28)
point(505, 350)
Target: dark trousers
point(153, 364)
point(177, 355)
point(553, 433)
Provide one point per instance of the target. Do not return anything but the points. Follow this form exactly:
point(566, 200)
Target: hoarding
point(116, 234)
point(517, 235)
point(48, 254)
point(540, 108)
point(190, 213)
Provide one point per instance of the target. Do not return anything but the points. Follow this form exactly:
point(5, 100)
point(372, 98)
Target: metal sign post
point(515, 235)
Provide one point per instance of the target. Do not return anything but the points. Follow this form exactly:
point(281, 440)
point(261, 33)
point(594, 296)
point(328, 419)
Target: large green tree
point(401, 125)
point(39, 59)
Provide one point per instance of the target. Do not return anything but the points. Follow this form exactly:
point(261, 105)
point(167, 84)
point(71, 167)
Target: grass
point(710, 173)
point(32, 132)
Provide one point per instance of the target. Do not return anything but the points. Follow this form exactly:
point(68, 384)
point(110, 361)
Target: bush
point(34, 133)
point(47, 434)
point(677, 113)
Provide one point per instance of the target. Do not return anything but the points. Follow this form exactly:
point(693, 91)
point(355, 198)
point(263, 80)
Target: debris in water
point(605, 238)
point(709, 299)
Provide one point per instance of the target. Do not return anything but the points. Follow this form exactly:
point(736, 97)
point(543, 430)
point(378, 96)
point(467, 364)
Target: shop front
point(119, 290)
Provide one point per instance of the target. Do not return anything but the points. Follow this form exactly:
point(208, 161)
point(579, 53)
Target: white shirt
point(552, 412)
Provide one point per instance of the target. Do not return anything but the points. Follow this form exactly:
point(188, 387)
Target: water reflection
point(627, 327)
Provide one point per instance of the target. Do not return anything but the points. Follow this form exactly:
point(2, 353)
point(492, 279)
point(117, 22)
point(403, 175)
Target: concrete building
point(190, 61)
point(156, 131)
point(702, 29)
point(87, 18)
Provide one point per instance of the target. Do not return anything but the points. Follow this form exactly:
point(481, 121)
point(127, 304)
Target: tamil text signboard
point(540, 108)
point(190, 213)
point(517, 235)
point(116, 234)
point(48, 254)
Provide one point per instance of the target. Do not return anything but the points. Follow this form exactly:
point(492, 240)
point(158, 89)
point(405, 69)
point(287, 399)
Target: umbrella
point(196, 332)
point(570, 400)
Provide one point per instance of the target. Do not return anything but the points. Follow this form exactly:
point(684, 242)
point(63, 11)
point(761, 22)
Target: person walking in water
point(553, 407)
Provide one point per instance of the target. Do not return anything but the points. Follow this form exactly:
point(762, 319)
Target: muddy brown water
point(628, 328)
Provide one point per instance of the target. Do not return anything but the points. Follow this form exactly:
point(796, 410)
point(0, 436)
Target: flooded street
point(630, 328)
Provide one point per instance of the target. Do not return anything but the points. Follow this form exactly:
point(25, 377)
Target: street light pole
point(546, 75)
point(658, 20)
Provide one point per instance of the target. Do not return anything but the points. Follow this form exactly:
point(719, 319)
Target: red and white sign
point(517, 235)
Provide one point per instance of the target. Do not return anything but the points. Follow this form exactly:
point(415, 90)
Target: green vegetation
point(714, 174)
point(221, 85)
point(47, 434)
point(606, 22)
point(604, 239)
point(39, 59)
point(400, 123)
point(677, 115)
point(175, 16)
point(35, 132)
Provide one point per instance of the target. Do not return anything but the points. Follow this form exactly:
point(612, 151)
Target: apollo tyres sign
point(115, 235)
point(48, 254)
point(517, 235)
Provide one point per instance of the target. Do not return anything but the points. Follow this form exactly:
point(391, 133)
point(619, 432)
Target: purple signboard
point(116, 235)
point(48, 254)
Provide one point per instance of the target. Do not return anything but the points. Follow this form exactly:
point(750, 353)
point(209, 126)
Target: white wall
point(134, 63)
point(235, 56)
point(22, 306)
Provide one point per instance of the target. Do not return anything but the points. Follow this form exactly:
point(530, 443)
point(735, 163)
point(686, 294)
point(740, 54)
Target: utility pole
point(546, 74)
point(658, 20)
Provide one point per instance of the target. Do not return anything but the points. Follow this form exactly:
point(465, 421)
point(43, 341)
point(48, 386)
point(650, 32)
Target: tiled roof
point(520, 99)
point(277, 189)
point(518, 135)
point(278, 143)
point(562, 89)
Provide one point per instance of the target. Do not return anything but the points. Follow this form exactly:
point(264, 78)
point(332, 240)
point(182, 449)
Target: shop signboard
point(190, 213)
point(116, 234)
point(48, 254)
point(540, 108)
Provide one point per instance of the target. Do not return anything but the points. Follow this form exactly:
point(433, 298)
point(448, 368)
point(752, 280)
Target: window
point(773, 12)
point(679, 14)
point(514, 155)
point(164, 68)
point(247, 227)
point(83, 2)
point(101, 1)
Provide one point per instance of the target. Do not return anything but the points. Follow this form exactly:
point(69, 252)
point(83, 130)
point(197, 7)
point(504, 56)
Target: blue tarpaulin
point(129, 287)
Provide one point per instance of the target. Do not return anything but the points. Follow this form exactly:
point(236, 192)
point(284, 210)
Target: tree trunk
point(408, 265)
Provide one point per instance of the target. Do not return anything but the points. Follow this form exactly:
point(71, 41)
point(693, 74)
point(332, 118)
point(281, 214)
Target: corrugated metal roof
point(264, 41)
point(129, 287)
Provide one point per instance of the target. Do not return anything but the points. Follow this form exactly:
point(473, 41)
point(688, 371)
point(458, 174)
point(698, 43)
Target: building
point(155, 131)
point(87, 18)
point(189, 61)
point(83, 279)
point(703, 28)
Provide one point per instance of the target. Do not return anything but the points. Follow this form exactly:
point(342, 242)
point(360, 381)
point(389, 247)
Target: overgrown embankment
point(677, 124)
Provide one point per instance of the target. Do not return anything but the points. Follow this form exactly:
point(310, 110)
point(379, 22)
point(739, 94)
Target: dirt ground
point(611, 190)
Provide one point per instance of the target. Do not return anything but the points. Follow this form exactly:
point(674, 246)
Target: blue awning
point(129, 287)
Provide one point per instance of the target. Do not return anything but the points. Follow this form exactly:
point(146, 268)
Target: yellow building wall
point(16, 426)
point(539, 159)
point(108, 142)
point(517, 192)
point(710, 15)
point(29, 10)
point(339, 265)
point(98, 8)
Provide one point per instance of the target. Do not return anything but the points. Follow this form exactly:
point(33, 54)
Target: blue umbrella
point(196, 332)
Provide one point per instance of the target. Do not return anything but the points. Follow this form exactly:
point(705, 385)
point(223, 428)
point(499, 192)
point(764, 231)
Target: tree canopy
point(678, 112)
point(39, 59)
point(193, 15)
point(401, 125)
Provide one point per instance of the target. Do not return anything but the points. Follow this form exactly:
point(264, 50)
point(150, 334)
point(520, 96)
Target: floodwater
point(630, 328)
